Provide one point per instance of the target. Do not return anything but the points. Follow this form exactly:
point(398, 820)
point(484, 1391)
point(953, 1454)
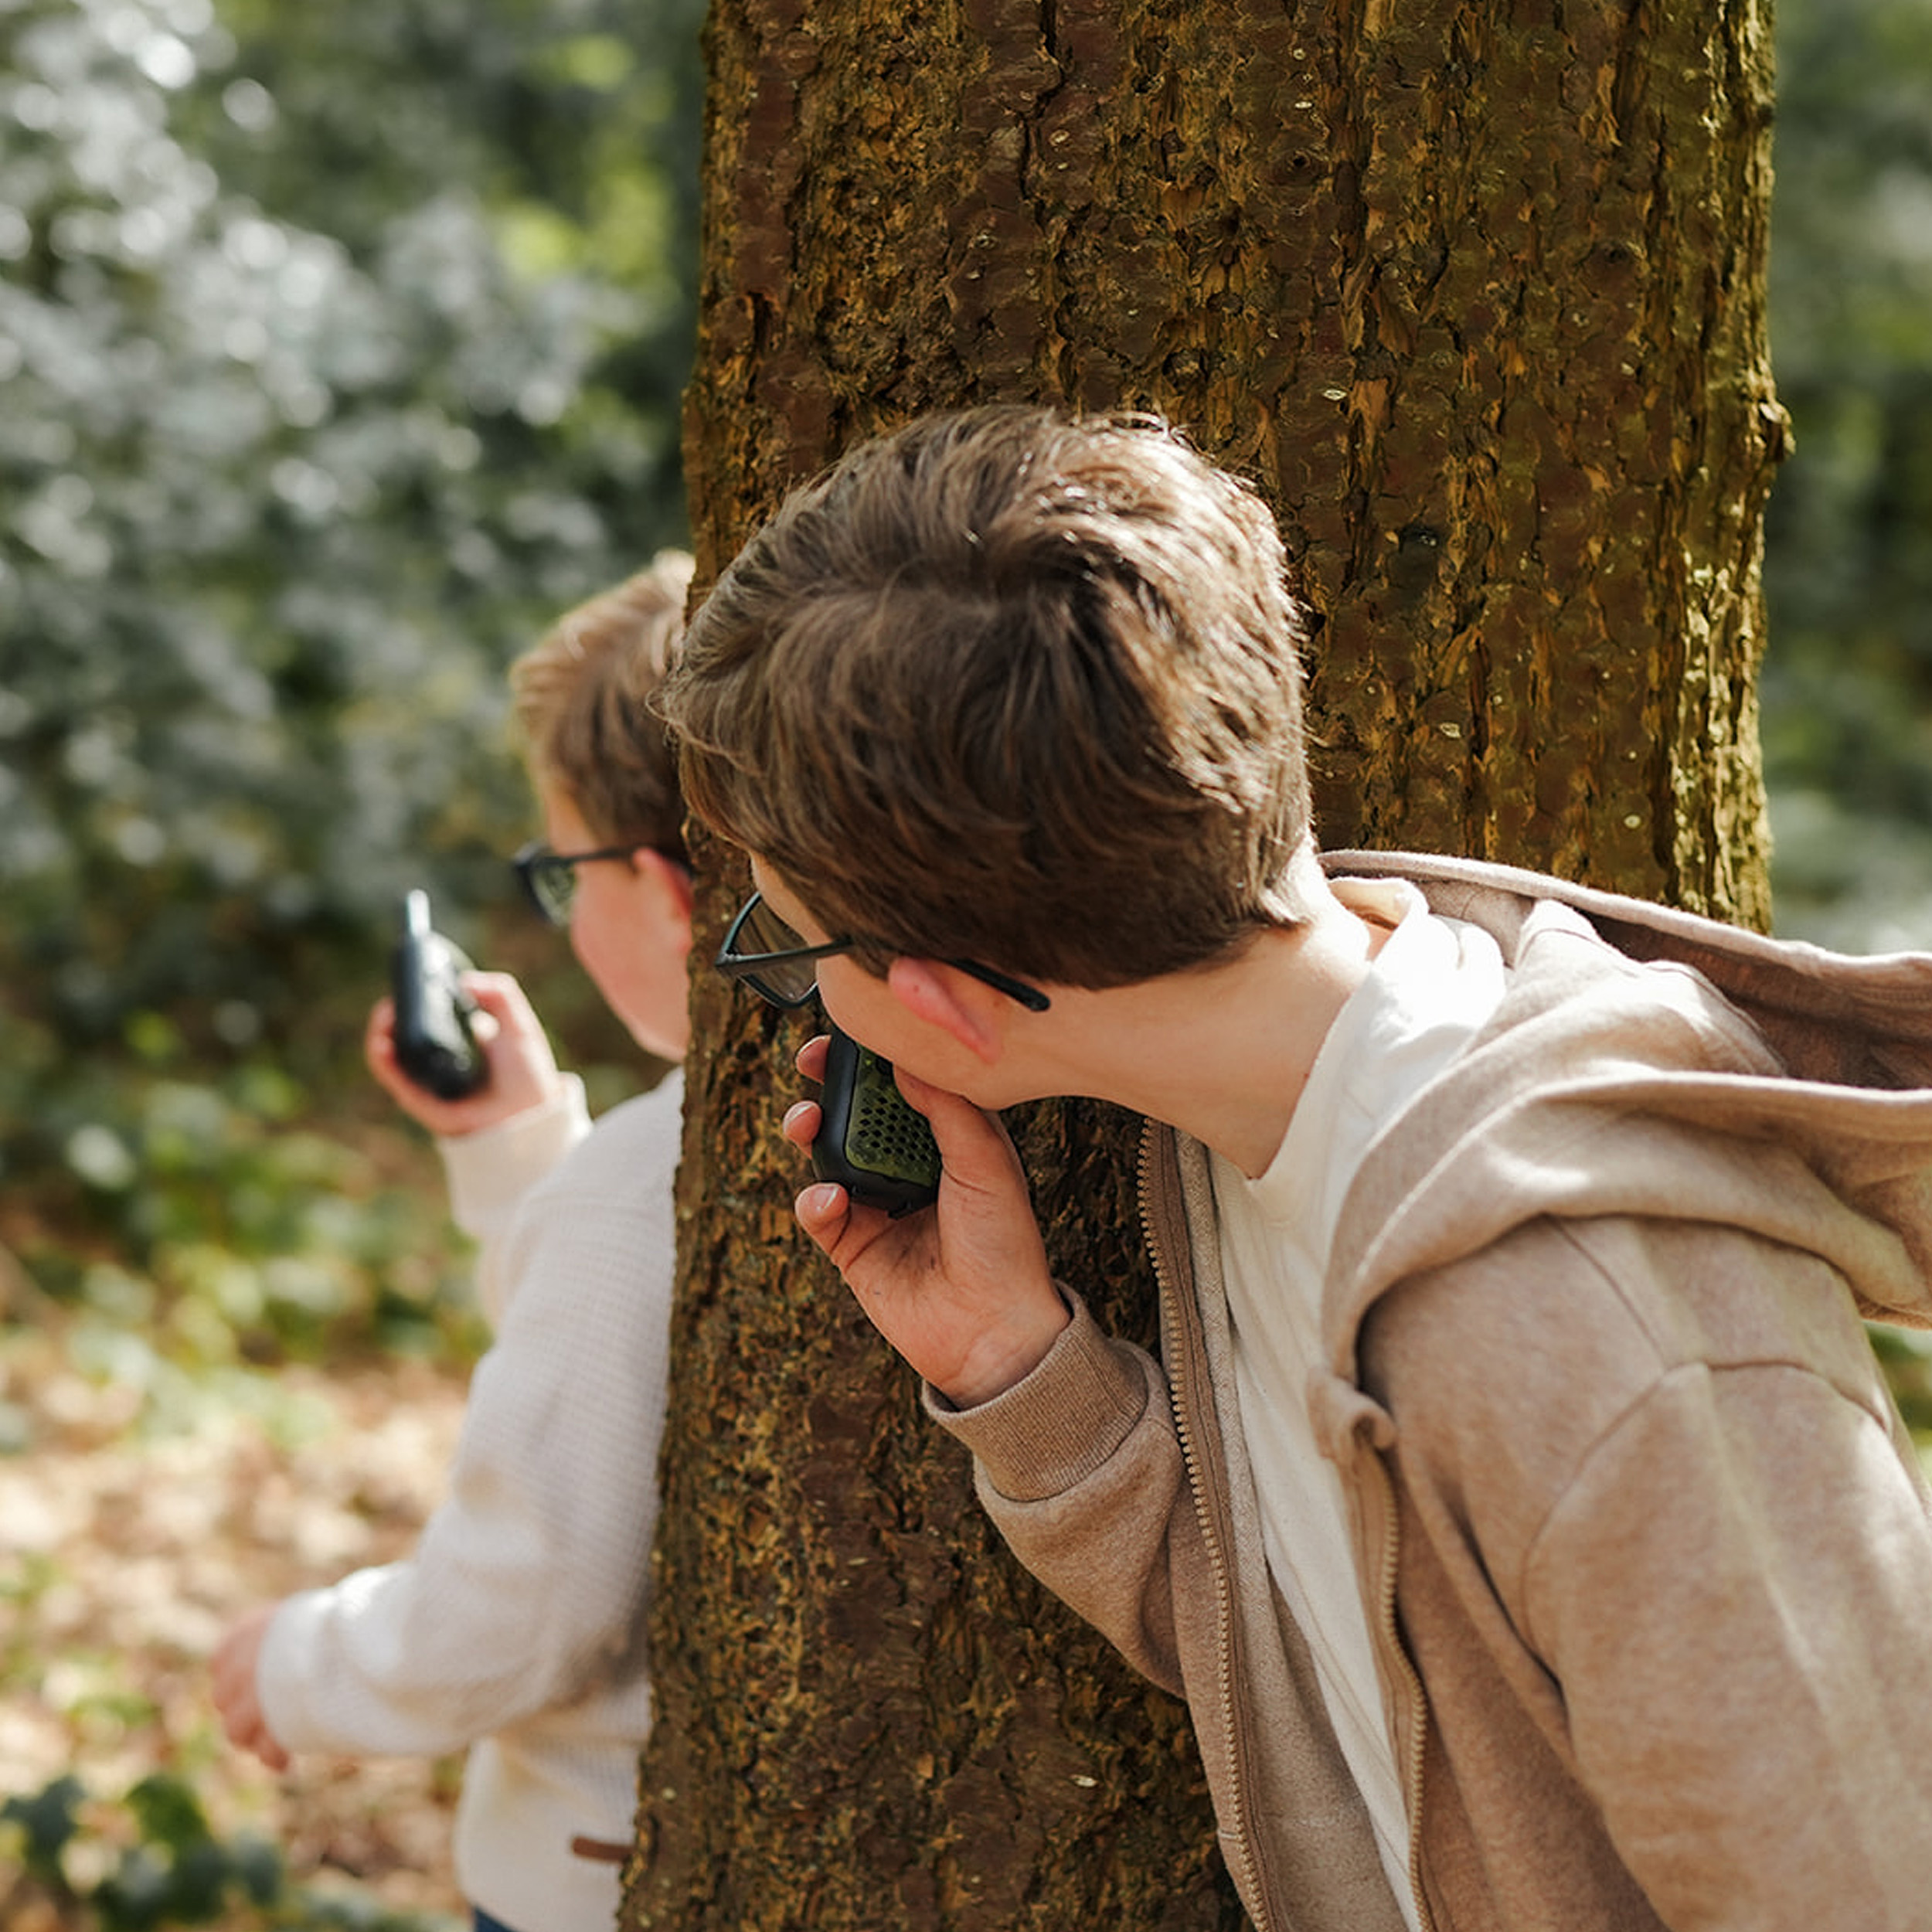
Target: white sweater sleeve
point(489, 1173)
point(528, 1586)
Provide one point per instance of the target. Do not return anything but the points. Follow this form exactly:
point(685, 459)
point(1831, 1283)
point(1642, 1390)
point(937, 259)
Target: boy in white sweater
point(516, 1627)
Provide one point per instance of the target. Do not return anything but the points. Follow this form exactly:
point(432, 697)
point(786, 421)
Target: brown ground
point(138, 1514)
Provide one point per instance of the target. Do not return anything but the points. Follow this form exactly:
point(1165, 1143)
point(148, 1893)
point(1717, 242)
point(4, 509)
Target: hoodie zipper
point(1175, 1345)
point(1389, 1638)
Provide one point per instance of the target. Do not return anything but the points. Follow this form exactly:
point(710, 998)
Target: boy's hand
point(523, 1070)
point(235, 1696)
point(960, 1289)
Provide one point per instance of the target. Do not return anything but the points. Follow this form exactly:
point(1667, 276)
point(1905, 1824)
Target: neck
point(1222, 1052)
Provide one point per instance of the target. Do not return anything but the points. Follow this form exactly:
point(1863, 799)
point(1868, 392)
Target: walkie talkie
point(878, 1149)
point(435, 1043)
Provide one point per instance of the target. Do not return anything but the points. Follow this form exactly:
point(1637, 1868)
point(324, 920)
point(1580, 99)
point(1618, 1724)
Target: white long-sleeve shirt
point(516, 1627)
point(1433, 985)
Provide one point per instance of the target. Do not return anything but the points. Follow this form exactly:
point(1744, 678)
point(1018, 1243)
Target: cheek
point(587, 941)
point(862, 1006)
point(584, 950)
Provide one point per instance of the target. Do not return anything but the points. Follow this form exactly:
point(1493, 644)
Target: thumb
point(974, 1148)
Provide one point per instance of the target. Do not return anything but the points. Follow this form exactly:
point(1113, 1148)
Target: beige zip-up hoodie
point(1646, 1552)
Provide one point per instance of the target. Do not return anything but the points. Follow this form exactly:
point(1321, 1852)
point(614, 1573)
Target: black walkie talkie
point(435, 1045)
point(878, 1149)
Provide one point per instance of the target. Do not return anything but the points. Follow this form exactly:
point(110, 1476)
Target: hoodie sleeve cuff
point(1048, 1432)
point(489, 1172)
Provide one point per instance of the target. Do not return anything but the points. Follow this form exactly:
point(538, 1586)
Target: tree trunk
point(1474, 293)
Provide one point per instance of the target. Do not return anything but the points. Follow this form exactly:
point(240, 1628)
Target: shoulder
point(1506, 1370)
point(632, 1147)
point(604, 1214)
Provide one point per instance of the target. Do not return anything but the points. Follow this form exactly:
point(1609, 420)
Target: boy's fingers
point(973, 1146)
point(380, 1033)
point(801, 1122)
point(496, 993)
point(823, 1212)
point(811, 1060)
point(927, 1097)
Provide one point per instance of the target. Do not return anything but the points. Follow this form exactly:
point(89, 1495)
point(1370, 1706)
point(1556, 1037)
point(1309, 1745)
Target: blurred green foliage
point(1847, 681)
point(154, 1861)
point(341, 348)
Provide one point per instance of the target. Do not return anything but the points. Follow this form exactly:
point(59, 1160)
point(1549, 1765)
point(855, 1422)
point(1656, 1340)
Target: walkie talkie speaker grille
point(892, 1139)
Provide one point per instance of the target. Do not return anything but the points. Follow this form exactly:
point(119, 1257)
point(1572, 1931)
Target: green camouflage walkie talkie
point(878, 1149)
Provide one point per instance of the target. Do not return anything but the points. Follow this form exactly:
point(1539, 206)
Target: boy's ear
point(954, 1002)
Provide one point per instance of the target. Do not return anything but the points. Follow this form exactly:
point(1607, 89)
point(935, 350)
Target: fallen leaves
point(135, 1522)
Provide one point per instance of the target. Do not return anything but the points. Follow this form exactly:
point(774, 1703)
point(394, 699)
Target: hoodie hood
point(1647, 1062)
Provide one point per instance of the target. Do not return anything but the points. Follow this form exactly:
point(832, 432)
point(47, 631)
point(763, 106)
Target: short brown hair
point(1010, 685)
point(583, 707)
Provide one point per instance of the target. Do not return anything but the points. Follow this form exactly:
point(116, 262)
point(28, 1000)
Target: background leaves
point(341, 348)
point(1848, 682)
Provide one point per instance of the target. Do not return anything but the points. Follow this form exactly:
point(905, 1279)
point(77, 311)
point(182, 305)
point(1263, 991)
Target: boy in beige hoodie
point(1516, 1501)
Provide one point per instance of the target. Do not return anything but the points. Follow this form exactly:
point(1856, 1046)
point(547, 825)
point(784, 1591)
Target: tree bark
point(1474, 293)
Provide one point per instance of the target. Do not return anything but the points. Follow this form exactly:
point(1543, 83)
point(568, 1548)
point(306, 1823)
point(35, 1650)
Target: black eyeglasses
point(764, 953)
point(549, 879)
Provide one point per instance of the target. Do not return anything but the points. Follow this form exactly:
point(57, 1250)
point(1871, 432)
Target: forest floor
point(139, 1511)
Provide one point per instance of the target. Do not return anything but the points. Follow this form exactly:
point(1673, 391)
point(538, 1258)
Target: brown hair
point(582, 697)
point(1011, 686)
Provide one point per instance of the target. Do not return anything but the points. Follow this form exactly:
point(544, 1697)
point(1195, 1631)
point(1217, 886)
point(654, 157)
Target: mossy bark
point(1474, 293)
